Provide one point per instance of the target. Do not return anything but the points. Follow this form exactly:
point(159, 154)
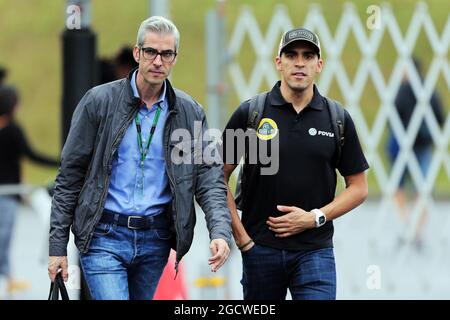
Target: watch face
point(321, 220)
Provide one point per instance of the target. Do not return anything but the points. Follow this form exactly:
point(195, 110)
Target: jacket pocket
point(186, 177)
point(86, 189)
point(182, 161)
point(185, 152)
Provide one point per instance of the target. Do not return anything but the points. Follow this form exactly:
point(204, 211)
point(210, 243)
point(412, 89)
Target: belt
point(159, 221)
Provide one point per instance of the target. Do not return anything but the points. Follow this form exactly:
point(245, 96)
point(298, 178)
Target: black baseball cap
point(299, 34)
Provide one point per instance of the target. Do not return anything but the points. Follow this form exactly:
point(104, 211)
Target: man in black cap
point(286, 230)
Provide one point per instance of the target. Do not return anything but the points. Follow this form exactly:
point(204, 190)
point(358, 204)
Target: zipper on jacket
point(173, 188)
point(176, 223)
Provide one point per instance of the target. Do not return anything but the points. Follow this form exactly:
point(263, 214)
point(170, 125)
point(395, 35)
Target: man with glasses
point(127, 202)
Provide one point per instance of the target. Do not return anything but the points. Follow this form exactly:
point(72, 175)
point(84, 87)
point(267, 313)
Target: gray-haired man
point(126, 201)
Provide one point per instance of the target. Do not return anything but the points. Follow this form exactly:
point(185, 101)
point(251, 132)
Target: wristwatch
point(320, 217)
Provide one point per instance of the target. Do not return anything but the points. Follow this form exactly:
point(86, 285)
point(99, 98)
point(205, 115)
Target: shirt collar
point(162, 97)
point(276, 99)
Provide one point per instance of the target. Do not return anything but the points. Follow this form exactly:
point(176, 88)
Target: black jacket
point(14, 145)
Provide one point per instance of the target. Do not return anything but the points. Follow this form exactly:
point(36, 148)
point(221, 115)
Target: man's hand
point(220, 252)
point(55, 264)
point(295, 220)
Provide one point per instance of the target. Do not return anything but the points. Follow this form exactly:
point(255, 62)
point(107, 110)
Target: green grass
point(31, 49)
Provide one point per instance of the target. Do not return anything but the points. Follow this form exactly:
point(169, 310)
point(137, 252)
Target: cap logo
point(301, 34)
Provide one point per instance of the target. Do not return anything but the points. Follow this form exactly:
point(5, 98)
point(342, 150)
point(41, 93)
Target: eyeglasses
point(151, 54)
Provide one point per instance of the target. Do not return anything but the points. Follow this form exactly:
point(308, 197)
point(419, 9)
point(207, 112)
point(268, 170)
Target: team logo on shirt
point(267, 129)
point(314, 131)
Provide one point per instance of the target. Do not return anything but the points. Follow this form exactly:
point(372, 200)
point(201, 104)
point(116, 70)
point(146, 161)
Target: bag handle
point(56, 287)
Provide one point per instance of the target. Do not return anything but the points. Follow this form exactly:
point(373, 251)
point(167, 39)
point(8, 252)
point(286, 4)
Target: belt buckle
point(128, 222)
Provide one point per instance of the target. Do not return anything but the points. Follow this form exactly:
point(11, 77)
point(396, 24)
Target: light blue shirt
point(125, 194)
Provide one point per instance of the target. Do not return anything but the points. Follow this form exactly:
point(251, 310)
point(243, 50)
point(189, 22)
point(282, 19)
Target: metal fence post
point(79, 70)
point(79, 67)
point(159, 8)
point(215, 66)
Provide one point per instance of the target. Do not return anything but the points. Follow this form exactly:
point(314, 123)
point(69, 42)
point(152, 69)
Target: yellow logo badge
point(267, 129)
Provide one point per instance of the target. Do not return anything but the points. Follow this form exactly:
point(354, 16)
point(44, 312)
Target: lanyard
point(139, 136)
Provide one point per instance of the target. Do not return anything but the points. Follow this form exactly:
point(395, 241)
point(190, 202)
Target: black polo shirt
point(306, 177)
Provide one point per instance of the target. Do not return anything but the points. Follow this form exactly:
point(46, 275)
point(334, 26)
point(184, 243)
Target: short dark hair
point(9, 97)
point(125, 58)
point(106, 71)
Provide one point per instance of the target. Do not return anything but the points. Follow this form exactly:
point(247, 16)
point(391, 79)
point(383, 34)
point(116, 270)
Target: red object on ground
point(168, 288)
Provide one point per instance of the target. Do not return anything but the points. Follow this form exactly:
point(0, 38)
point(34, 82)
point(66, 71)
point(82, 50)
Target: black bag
point(255, 114)
point(57, 287)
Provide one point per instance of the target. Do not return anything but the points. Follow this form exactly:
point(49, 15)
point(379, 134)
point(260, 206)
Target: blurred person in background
point(118, 67)
point(107, 71)
point(124, 62)
point(118, 189)
point(405, 103)
point(14, 146)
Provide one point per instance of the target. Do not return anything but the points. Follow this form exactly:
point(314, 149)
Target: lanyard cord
point(152, 131)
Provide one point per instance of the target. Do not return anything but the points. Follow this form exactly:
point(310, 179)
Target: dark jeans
point(308, 274)
point(124, 264)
